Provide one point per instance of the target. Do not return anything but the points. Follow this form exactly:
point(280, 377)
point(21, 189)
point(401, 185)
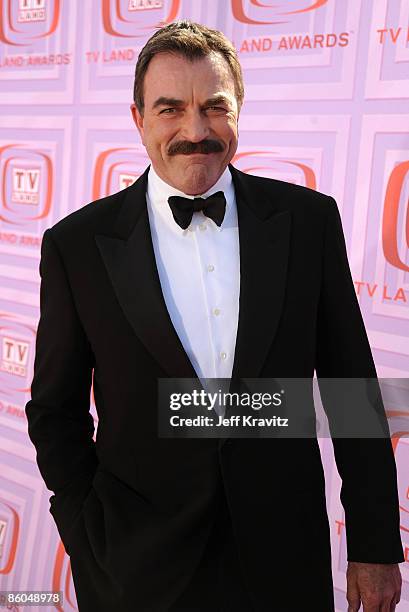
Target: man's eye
point(217, 107)
point(166, 109)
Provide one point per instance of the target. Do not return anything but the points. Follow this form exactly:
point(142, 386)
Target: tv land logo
point(14, 356)
point(136, 18)
point(26, 185)
point(116, 169)
point(27, 179)
point(393, 210)
point(17, 340)
point(31, 10)
point(259, 10)
point(26, 21)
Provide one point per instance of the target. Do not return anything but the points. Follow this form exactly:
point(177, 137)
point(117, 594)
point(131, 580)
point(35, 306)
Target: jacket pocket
point(66, 508)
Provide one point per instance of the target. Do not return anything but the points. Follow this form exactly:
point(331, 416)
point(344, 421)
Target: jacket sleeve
point(369, 492)
point(59, 422)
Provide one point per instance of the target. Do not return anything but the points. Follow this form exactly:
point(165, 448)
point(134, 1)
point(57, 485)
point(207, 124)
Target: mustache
point(186, 148)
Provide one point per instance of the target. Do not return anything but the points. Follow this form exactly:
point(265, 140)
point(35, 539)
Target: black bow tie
point(213, 207)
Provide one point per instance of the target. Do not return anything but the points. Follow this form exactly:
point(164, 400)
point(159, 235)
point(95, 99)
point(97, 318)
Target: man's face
point(189, 127)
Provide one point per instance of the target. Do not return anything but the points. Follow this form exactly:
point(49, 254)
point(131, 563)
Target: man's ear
point(138, 120)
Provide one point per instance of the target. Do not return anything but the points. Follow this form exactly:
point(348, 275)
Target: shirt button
point(202, 226)
point(223, 355)
point(210, 268)
point(216, 311)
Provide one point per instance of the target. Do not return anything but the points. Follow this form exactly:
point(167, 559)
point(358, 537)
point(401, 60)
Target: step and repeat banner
point(326, 106)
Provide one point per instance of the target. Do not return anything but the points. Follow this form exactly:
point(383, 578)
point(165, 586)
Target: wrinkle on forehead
point(169, 74)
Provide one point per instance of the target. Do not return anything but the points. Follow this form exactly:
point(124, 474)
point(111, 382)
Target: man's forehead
point(170, 65)
point(169, 89)
point(167, 57)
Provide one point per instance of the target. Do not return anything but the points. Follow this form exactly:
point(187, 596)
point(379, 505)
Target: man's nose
point(195, 126)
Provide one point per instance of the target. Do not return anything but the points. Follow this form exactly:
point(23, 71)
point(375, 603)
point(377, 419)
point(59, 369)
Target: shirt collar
point(159, 191)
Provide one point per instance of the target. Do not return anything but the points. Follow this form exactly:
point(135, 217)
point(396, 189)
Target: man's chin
point(197, 174)
point(200, 164)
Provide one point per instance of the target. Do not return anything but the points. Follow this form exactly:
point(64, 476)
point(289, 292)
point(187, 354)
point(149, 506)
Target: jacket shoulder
point(305, 202)
point(290, 189)
point(89, 217)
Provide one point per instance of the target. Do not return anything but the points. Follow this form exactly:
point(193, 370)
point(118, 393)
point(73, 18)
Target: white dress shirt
point(199, 271)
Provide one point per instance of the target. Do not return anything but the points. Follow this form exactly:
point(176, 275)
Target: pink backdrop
point(326, 105)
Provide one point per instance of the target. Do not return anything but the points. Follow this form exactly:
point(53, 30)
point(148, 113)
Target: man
point(141, 286)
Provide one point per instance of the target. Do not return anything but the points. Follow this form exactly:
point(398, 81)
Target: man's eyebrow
point(219, 99)
point(164, 101)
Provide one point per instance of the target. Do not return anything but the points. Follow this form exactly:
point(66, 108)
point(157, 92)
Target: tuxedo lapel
point(264, 235)
point(264, 232)
point(128, 255)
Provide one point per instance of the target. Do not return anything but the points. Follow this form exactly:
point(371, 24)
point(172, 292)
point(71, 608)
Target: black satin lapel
point(264, 247)
point(264, 250)
point(131, 267)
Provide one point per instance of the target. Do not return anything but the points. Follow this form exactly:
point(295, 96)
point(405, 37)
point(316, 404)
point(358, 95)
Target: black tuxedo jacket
point(134, 510)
